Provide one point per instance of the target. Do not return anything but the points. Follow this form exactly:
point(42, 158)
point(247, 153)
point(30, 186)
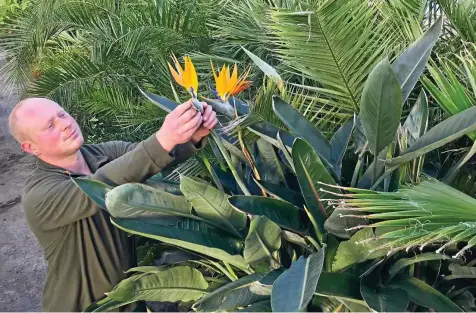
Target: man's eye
point(61, 114)
point(50, 125)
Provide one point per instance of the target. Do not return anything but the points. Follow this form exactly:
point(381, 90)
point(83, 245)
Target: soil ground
point(22, 268)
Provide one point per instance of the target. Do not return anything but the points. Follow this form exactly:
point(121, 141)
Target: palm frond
point(462, 15)
point(453, 83)
point(430, 213)
point(334, 46)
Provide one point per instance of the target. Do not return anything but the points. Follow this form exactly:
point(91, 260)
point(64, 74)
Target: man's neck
point(73, 163)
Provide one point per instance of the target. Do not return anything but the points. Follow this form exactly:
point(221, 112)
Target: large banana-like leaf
point(443, 133)
point(300, 126)
point(339, 143)
point(381, 106)
point(293, 289)
point(342, 285)
point(282, 213)
point(425, 295)
point(282, 193)
point(212, 204)
point(424, 257)
point(411, 63)
point(270, 133)
point(416, 123)
point(232, 295)
point(265, 67)
point(311, 172)
point(264, 238)
point(94, 189)
point(383, 298)
point(262, 306)
point(189, 234)
point(162, 102)
point(179, 283)
point(270, 168)
point(135, 200)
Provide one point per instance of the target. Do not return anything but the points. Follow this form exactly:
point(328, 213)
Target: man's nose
point(65, 124)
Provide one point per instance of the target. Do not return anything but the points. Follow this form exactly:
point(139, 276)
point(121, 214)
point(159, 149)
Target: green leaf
point(164, 184)
point(443, 133)
point(356, 250)
point(269, 132)
point(282, 213)
point(381, 106)
point(374, 170)
point(211, 204)
point(264, 238)
point(423, 294)
point(135, 200)
point(342, 285)
point(300, 126)
point(310, 172)
point(162, 102)
point(265, 67)
point(339, 143)
point(411, 63)
point(331, 249)
point(404, 262)
point(189, 234)
point(262, 306)
point(282, 193)
point(270, 168)
point(105, 305)
point(385, 299)
point(179, 283)
point(231, 296)
point(293, 289)
point(416, 123)
point(94, 189)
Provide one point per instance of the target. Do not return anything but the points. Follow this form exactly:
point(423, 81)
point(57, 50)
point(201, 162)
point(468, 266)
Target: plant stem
point(224, 271)
point(314, 243)
point(358, 166)
point(214, 176)
point(230, 269)
point(230, 164)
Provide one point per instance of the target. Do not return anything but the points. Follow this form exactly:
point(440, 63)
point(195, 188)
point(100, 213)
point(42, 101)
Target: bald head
point(16, 121)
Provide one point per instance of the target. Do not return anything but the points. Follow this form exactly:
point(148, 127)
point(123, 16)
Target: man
point(86, 255)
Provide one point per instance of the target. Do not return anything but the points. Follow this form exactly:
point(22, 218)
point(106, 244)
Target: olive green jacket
point(86, 255)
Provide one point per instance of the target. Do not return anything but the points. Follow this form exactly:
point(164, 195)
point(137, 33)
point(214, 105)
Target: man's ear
point(29, 147)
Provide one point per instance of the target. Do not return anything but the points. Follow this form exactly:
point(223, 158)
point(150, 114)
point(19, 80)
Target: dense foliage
point(341, 180)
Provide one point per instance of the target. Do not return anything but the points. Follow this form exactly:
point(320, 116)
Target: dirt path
point(22, 269)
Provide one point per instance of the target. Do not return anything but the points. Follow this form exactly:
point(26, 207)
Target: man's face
point(49, 129)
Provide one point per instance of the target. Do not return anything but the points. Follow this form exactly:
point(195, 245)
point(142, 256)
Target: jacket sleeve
point(56, 201)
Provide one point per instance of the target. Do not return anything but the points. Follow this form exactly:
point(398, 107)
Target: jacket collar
point(91, 156)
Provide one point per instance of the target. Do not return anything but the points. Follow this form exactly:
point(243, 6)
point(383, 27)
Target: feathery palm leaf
point(335, 49)
point(462, 15)
point(416, 216)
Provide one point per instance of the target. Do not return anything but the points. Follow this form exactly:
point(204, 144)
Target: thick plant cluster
point(325, 186)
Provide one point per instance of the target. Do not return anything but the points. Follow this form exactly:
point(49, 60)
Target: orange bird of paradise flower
point(187, 78)
point(227, 85)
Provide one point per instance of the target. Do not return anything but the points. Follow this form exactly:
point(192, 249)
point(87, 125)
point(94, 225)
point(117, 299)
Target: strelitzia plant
point(187, 78)
point(227, 85)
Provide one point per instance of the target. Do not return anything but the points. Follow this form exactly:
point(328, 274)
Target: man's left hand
point(209, 121)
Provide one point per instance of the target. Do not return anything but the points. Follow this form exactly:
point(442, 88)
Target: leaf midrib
point(344, 79)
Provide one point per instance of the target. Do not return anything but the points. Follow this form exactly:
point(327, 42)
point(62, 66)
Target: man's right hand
point(179, 126)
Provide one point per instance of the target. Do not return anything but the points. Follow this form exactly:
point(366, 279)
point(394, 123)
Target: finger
point(190, 132)
point(182, 108)
point(210, 120)
point(187, 116)
point(207, 113)
point(193, 123)
point(214, 123)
